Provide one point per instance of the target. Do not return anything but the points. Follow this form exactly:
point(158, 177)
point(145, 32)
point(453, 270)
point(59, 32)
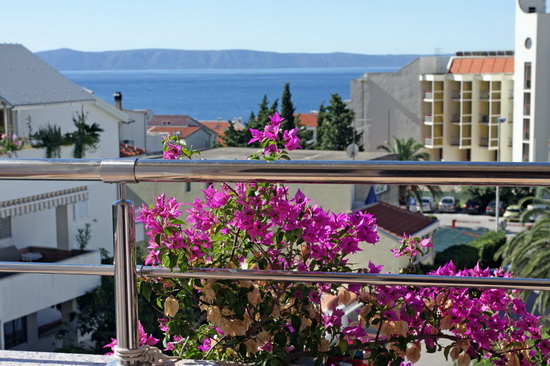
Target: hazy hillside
point(67, 59)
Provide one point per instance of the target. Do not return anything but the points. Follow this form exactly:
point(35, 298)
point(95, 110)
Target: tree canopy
point(335, 130)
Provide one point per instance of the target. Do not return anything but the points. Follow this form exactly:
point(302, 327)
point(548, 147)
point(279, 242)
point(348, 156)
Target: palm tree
point(51, 138)
point(86, 137)
point(527, 253)
point(409, 150)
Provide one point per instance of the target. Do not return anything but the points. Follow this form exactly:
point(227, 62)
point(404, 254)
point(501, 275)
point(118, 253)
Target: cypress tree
point(337, 130)
point(287, 109)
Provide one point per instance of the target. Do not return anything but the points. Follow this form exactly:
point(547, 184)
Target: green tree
point(51, 138)
point(287, 109)
point(409, 150)
point(234, 137)
point(86, 137)
point(508, 195)
point(321, 125)
point(527, 253)
point(335, 130)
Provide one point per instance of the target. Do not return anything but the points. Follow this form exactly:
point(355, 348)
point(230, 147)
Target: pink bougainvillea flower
point(292, 142)
point(256, 135)
point(174, 151)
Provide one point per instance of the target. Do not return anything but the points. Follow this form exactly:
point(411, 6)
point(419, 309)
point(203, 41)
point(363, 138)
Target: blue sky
point(358, 26)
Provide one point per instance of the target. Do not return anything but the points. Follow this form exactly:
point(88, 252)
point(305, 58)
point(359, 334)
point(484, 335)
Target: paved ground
point(479, 222)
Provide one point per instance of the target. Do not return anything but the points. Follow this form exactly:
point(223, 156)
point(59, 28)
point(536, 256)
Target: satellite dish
point(352, 150)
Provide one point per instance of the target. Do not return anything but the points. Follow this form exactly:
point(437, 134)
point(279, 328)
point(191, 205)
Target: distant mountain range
point(166, 59)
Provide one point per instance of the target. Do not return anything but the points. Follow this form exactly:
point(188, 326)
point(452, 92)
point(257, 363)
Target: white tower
point(532, 82)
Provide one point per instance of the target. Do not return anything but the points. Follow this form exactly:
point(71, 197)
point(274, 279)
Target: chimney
point(118, 100)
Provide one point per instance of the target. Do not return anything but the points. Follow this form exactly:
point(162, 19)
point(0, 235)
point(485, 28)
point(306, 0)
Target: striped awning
point(25, 205)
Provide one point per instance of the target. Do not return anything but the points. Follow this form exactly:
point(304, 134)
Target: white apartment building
point(532, 82)
point(39, 220)
point(462, 107)
point(453, 105)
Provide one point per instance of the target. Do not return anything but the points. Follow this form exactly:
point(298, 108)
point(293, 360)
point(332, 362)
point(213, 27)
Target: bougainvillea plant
point(263, 226)
point(7, 146)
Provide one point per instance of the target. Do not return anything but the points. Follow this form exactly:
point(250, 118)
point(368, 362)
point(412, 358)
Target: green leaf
point(281, 339)
point(146, 289)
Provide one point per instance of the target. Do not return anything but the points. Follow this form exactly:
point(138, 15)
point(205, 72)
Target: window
point(526, 104)
point(380, 188)
point(80, 211)
point(526, 128)
point(187, 186)
point(5, 228)
point(525, 153)
point(527, 76)
point(15, 332)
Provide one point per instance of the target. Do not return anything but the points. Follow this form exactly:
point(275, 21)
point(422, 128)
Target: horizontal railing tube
point(331, 172)
point(57, 268)
point(288, 276)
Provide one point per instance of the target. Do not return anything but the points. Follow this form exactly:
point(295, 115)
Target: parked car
point(490, 209)
point(428, 204)
point(538, 206)
point(448, 204)
point(512, 213)
point(473, 207)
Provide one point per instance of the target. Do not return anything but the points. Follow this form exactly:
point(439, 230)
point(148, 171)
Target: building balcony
point(432, 143)
point(53, 289)
point(455, 118)
point(484, 119)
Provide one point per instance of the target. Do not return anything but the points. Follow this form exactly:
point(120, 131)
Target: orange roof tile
point(126, 150)
point(182, 132)
point(218, 127)
point(308, 119)
point(482, 65)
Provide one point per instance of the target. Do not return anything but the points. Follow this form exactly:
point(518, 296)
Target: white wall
point(39, 291)
point(388, 104)
point(537, 27)
point(62, 114)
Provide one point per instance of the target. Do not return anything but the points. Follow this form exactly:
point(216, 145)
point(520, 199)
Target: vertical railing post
point(127, 349)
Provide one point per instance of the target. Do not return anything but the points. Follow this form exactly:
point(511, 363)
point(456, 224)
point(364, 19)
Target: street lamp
point(500, 120)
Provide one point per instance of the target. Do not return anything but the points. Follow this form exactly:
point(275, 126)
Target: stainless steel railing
point(124, 171)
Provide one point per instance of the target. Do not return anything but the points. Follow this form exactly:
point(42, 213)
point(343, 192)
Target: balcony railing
point(122, 171)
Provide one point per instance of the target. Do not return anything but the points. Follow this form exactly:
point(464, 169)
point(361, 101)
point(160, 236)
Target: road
point(478, 222)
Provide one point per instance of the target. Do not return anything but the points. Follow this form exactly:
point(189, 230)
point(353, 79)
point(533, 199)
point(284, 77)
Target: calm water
point(213, 94)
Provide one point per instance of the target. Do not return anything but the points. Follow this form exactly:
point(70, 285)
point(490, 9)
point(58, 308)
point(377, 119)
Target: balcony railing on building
point(122, 171)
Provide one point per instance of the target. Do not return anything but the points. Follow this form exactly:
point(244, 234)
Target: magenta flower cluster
point(271, 133)
point(264, 226)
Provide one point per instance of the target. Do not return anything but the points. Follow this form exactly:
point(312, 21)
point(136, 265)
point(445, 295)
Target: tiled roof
point(180, 120)
point(182, 132)
point(218, 127)
point(308, 119)
point(27, 80)
point(127, 151)
point(482, 65)
point(398, 221)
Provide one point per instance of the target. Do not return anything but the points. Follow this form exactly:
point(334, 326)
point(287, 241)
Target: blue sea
point(218, 94)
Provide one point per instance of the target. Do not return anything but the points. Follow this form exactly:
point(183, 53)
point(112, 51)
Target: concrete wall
point(388, 104)
point(44, 290)
point(535, 26)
